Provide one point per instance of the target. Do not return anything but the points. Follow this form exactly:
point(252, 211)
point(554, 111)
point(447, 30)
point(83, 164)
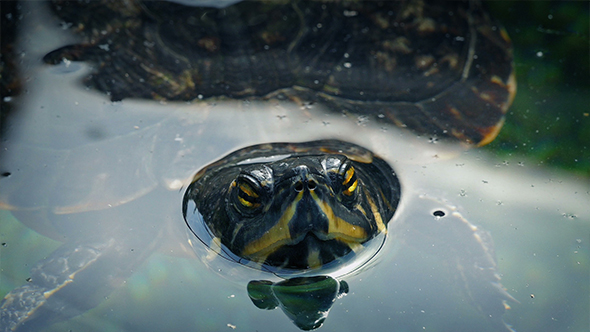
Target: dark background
point(549, 121)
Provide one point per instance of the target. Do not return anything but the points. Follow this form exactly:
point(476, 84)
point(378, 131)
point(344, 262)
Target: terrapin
point(313, 205)
point(439, 69)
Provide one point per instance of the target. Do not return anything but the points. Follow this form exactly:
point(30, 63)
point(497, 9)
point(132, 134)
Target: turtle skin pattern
point(442, 69)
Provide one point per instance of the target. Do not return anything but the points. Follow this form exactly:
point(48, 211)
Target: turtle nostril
point(311, 185)
point(298, 186)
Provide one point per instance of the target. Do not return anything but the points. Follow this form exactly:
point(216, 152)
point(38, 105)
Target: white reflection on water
point(72, 150)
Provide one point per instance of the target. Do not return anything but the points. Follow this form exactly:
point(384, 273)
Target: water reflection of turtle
point(439, 69)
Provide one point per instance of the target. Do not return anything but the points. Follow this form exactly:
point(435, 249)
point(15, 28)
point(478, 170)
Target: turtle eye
point(350, 181)
point(248, 192)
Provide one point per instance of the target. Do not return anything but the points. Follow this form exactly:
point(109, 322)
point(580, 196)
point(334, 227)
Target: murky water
point(121, 169)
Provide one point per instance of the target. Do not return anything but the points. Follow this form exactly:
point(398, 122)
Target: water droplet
point(362, 120)
point(65, 25)
point(539, 54)
point(307, 105)
point(347, 65)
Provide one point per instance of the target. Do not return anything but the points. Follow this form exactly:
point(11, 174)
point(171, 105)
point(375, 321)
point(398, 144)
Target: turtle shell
point(441, 68)
point(295, 206)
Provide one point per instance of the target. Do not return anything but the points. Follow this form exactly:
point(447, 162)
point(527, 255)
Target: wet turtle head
point(300, 212)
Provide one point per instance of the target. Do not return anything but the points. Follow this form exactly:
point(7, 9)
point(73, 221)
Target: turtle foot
point(61, 286)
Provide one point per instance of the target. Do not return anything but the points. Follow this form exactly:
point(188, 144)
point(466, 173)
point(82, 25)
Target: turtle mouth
point(307, 217)
point(280, 237)
point(308, 250)
point(311, 250)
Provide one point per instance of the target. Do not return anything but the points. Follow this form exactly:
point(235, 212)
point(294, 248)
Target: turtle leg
point(73, 279)
point(42, 299)
point(77, 277)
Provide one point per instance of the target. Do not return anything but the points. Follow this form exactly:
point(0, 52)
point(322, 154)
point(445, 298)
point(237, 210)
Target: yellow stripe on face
point(248, 190)
point(355, 247)
point(351, 189)
point(338, 228)
point(313, 259)
point(348, 175)
point(375, 210)
point(275, 237)
point(246, 203)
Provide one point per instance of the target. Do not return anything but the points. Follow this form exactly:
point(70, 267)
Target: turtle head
point(294, 206)
point(300, 212)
